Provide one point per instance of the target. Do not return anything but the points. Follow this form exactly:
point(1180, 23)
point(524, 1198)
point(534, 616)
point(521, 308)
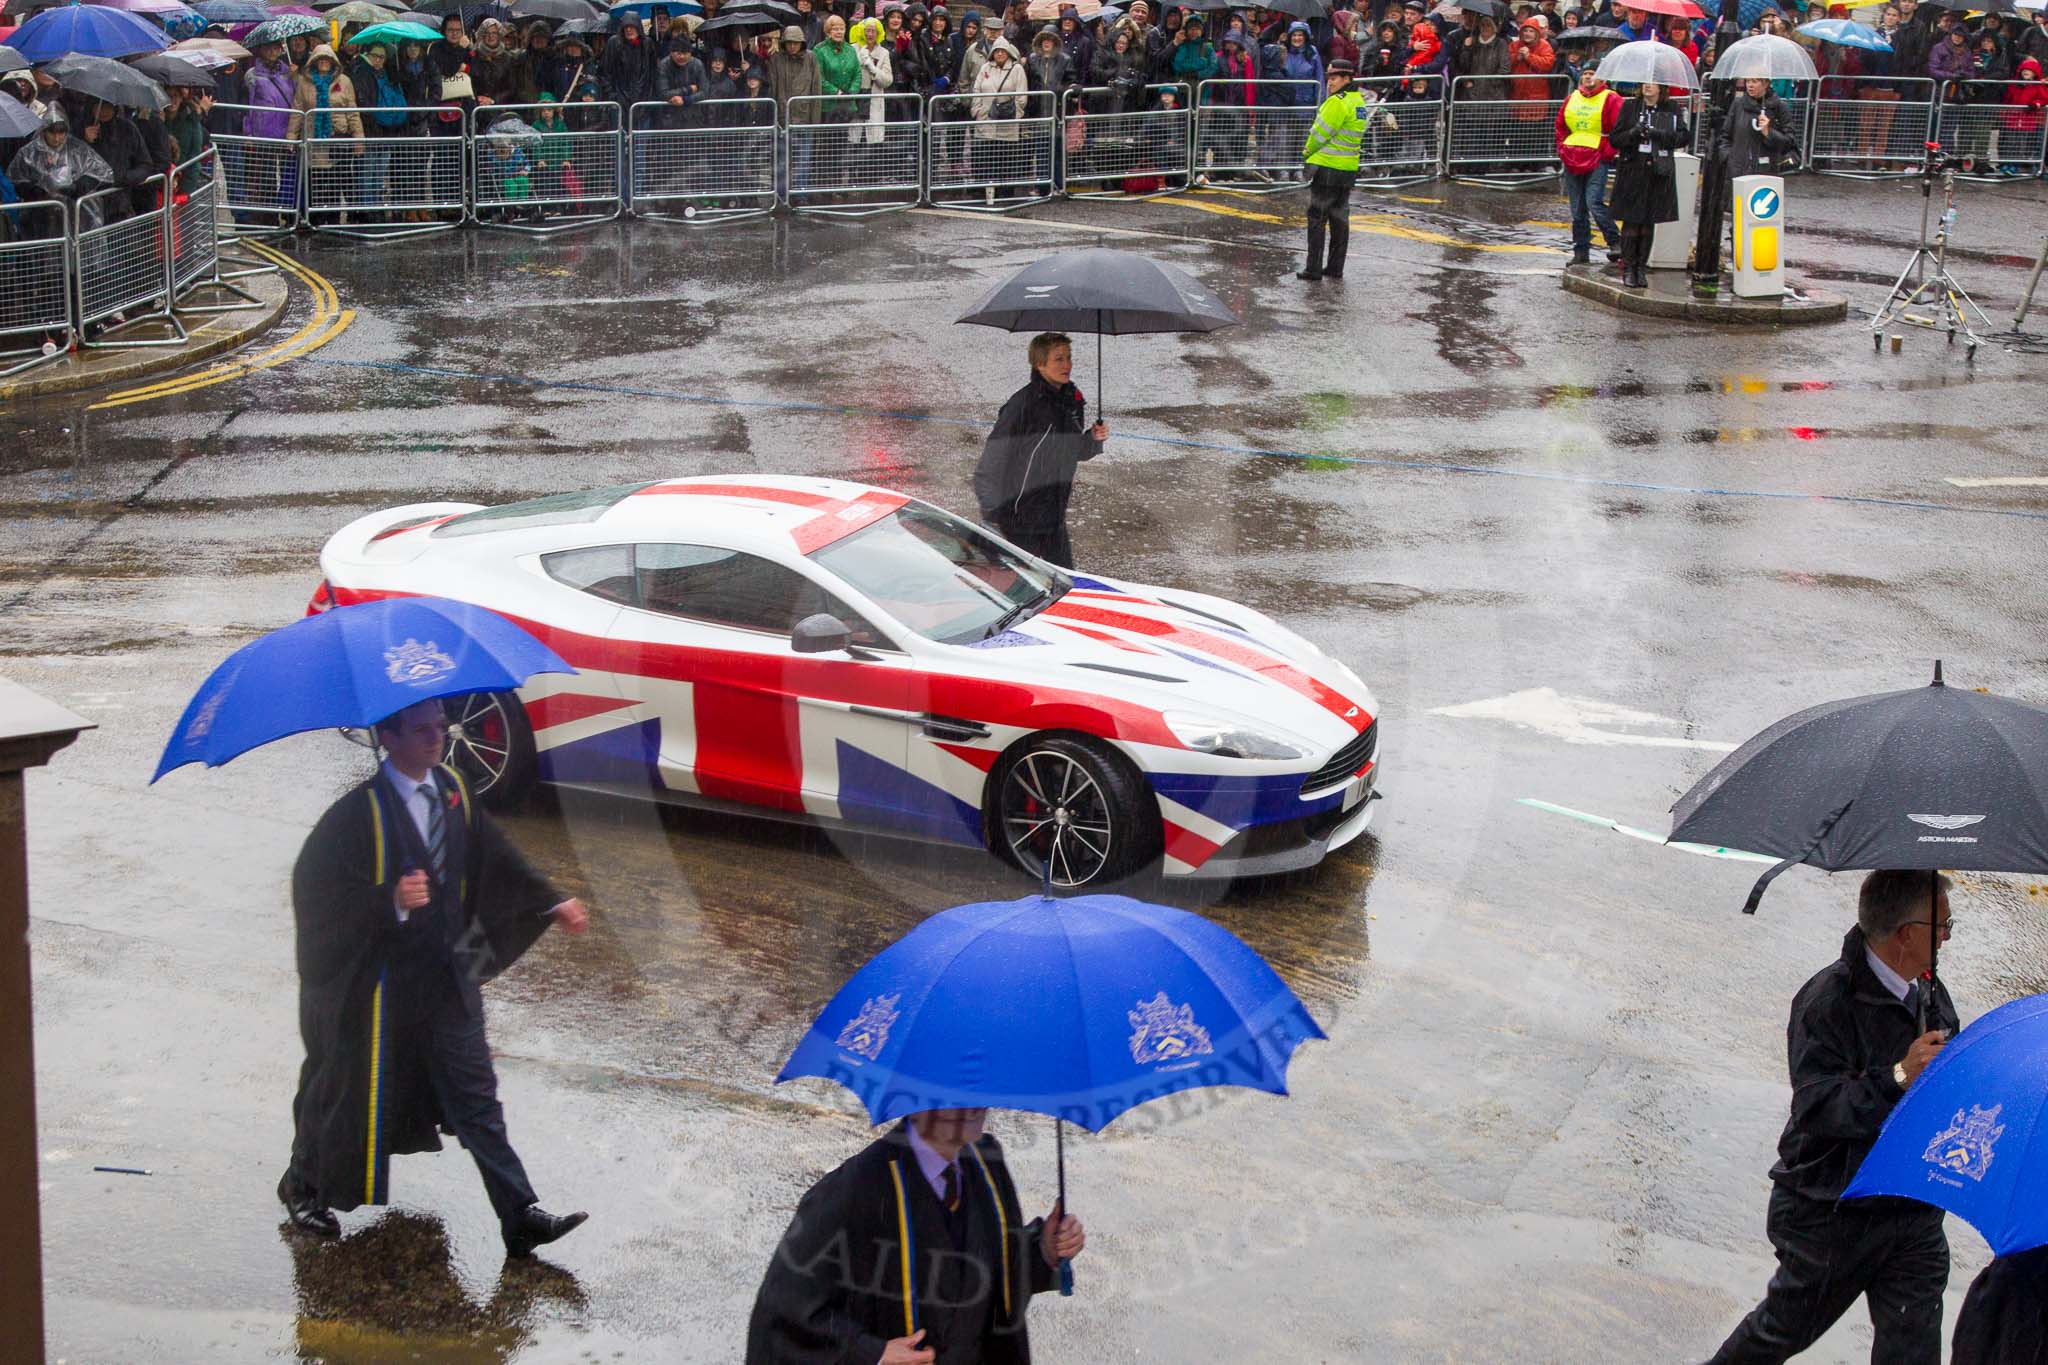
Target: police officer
point(1332, 156)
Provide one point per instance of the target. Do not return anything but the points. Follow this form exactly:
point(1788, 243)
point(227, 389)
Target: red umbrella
point(1682, 9)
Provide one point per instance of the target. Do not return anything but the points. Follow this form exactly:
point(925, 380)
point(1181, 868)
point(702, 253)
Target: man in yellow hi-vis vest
point(1332, 156)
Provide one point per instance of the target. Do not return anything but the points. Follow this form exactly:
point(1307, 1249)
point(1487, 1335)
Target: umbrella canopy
point(1968, 1136)
point(102, 78)
point(1113, 293)
point(88, 30)
point(210, 52)
point(1932, 777)
point(1584, 34)
point(645, 8)
point(281, 29)
point(1492, 7)
point(1977, 6)
point(10, 60)
point(512, 128)
point(554, 9)
point(1300, 9)
point(786, 13)
point(1050, 9)
point(233, 11)
point(1635, 63)
point(172, 71)
point(581, 28)
point(362, 12)
point(16, 119)
point(1766, 55)
point(1677, 9)
point(1077, 1009)
point(742, 21)
point(146, 6)
point(351, 667)
point(1846, 33)
point(395, 33)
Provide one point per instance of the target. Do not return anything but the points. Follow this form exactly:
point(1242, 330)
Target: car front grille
point(1346, 760)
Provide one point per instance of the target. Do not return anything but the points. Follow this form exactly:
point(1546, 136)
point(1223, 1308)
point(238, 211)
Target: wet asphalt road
point(1555, 1076)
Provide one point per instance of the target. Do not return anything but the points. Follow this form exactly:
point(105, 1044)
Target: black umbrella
point(743, 21)
point(1493, 7)
point(1109, 293)
point(553, 9)
point(1928, 778)
point(172, 71)
point(10, 60)
point(1976, 6)
point(786, 13)
point(1299, 9)
point(1594, 34)
point(103, 78)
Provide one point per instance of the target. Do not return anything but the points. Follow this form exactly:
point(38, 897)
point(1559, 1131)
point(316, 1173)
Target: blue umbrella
point(643, 9)
point(89, 30)
point(1080, 1009)
point(1969, 1137)
point(1846, 33)
point(351, 666)
point(234, 11)
point(182, 23)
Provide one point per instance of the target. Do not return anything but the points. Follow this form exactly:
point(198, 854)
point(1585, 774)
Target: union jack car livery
point(816, 650)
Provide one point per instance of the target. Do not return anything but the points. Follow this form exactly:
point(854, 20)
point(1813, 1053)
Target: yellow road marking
point(1384, 224)
point(329, 321)
point(1416, 199)
point(1543, 222)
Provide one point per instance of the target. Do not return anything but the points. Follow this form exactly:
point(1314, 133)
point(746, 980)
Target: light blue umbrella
point(351, 667)
point(1080, 1009)
point(87, 30)
point(234, 11)
point(642, 9)
point(1968, 1136)
point(1846, 33)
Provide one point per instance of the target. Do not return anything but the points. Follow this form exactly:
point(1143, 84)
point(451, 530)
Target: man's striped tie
point(437, 830)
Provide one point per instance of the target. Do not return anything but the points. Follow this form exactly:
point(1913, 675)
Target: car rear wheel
point(1067, 804)
point(491, 745)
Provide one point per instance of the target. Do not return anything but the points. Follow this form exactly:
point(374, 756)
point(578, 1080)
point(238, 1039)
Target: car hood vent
point(1130, 672)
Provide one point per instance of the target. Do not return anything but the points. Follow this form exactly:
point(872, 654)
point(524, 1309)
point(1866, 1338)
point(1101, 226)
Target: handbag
point(457, 87)
point(1077, 134)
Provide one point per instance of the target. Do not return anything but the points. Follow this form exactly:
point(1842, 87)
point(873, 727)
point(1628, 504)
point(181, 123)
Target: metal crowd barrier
point(35, 284)
point(1502, 143)
point(1973, 120)
point(262, 173)
point(1869, 127)
point(544, 180)
point(383, 184)
point(1123, 154)
point(123, 266)
point(194, 229)
point(1404, 130)
point(991, 152)
point(715, 165)
point(1262, 139)
point(849, 156)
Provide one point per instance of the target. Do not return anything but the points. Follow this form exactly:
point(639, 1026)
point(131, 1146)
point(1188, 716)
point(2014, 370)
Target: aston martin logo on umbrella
point(1945, 821)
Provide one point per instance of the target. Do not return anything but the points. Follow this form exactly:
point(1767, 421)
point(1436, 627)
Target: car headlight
point(1226, 739)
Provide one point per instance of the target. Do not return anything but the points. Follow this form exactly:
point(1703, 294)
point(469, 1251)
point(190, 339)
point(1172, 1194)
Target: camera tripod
point(1951, 305)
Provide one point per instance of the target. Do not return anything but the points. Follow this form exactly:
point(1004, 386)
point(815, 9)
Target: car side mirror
point(820, 634)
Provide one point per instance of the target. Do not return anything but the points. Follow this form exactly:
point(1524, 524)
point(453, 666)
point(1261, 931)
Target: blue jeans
point(1588, 196)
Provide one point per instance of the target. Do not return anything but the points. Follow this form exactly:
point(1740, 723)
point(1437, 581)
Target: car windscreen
point(943, 577)
point(562, 509)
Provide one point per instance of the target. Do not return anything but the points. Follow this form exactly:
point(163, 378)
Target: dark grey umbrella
point(1109, 293)
point(103, 78)
point(1299, 9)
point(554, 9)
point(1492, 7)
point(10, 60)
point(739, 20)
point(1924, 779)
point(172, 71)
point(1593, 34)
point(786, 13)
point(16, 119)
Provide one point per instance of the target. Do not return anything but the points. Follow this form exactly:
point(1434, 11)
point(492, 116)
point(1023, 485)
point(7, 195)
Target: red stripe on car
point(843, 519)
point(1186, 845)
point(757, 492)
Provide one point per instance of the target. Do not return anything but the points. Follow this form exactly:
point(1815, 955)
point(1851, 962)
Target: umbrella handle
point(1066, 1267)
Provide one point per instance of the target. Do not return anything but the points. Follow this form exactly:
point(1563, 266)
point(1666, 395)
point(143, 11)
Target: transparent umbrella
point(1658, 63)
point(1766, 55)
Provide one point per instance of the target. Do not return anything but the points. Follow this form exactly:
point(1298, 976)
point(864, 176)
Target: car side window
point(732, 588)
point(604, 571)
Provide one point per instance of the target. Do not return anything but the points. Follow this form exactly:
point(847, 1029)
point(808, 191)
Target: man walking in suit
point(406, 900)
point(913, 1252)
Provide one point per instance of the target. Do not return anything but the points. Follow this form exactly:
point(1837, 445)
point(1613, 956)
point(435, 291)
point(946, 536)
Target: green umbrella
point(395, 33)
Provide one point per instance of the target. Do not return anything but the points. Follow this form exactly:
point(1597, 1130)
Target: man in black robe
point(407, 898)
point(913, 1252)
point(1026, 475)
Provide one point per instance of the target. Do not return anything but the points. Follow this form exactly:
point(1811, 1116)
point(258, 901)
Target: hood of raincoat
point(1005, 45)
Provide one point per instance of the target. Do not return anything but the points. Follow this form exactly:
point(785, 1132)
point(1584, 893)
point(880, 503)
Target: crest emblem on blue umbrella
point(1967, 1145)
point(1166, 1034)
point(867, 1033)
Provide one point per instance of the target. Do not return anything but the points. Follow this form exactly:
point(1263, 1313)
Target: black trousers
point(466, 1084)
point(1828, 1254)
point(1051, 545)
point(1329, 210)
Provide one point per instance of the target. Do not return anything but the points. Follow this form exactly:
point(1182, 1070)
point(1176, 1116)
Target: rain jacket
point(1236, 70)
point(1048, 65)
point(838, 74)
point(793, 77)
point(1531, 62)
point(72, 171)
point(339, 110)
point(1481, 60)
point(1582, 160)
point(2003, 1322)
point(1947, 62)
point(1743, 150)
point(1026, 473)
point(1302, 63)
point(1000, 89)
point(1641, 195)
point(625, 71)
point(1122, 75)
point(1192, 62)
point(1423, 47)
point(1845, 1032)
point(2024, 103)
point(270, 88)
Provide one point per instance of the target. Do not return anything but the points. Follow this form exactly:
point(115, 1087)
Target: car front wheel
point(1065, 804)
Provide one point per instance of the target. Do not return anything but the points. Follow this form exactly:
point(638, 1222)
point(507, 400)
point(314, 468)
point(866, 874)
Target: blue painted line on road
point(1363, 461)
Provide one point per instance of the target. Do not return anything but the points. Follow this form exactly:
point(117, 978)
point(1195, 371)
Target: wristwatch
point(1899, 1074)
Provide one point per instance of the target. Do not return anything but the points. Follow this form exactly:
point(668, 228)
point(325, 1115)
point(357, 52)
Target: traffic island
point(207, 335)
point(1671, 295)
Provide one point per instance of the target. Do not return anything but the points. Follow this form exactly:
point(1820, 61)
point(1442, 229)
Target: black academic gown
point(367, 982)
point(835, 1294)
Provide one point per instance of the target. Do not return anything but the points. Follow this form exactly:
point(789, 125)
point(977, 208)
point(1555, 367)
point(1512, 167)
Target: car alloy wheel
point(490, 745)
point(1056, 815)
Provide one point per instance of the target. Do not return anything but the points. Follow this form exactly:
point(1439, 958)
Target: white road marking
point(1704, 850)
point(2002, 481)
point(1576, 720)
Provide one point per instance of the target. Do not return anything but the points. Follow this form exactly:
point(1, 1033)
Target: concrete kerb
point(216, 333)
point(1670, 296)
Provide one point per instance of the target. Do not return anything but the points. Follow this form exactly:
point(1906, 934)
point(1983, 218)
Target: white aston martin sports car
point(828, 652)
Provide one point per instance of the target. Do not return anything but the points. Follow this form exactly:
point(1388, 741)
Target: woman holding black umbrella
point(1026, 475)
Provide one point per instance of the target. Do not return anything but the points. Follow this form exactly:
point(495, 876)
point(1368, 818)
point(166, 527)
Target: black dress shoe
point(1308, 274)
point(1333, 274)
point(305, 1211)
point(537, 1227)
